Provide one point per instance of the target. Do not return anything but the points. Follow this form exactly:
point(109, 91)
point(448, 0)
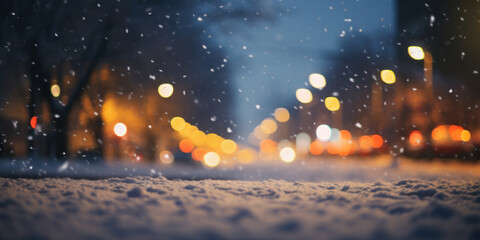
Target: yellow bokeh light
point(188, 130)
point(332, 104)
point(465, 136)
point(228, 146)
point(416, 52)
point(198, 137)
point(211, 159)
point(304, 95)
point(281, 114)
point(55, 90)
point(166, 157)
point(165, 90)
point(259, 133)
point(120, 129)
point(388, 76)
point(287, 154)
point(246, 155)
point(317, 80)
point(268, 126)
point(177, 123)
point(213, 140)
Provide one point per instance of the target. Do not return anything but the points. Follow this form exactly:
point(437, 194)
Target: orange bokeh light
point(344, 148)
point(268, 146)
point(416, 138)
point(33, 122)
point(186, 145)
point(365, 142)
point(332, 148)
point(346, 135)
point(440, 133)
point(377, 141)
point(198, 154)
point(455, 132)
point(316, 147)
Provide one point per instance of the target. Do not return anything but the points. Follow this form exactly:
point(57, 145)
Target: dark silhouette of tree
point(60, 42)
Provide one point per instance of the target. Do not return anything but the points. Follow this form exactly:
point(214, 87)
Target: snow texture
point(145, 207)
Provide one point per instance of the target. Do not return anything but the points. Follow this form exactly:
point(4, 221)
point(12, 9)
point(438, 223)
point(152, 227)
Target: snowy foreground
point(145, 207)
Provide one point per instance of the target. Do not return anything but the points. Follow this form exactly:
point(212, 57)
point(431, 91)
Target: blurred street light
point(419, 53)
point(281, 114)
point(323, 132)
point(287, 154)
point(416, 52)
point(120, 129)
point(304, 95)
point(211, 159)
point(33, 122)
point(268, 126)
point(55, 90)
point(178, 123)
point(228, 146)
point(388, 76)
point(165, 90)
point(166, 157)
point(332, 104)
point(317, 80)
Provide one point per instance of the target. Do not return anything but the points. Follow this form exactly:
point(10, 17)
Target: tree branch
point(84, 77)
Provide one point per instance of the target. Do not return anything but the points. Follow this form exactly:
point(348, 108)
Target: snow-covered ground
point(395, 206)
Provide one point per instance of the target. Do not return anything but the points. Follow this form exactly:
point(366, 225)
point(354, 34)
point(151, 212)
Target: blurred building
point(449, 31)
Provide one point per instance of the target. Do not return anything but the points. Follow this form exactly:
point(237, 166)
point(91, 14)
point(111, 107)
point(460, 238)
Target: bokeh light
point(268, 146)
point(316, 147)
point(304, 95)
point(302, 143)
point(332, 148)
point(440, 133)
point(317, 80)
point(228, 146)
point(177, 123)
point(345, 135)
point(377, 141)
point(198, 154)
point(281, 114)
point(246, 155)
point(416, 138)
point(198, 137)
point(388, 76)
point(166, 157)
point(186, 145)
point(324, 132)
point(416, 52)
point(455, 132)
point(165, 90)
point(344, 148)
point(120, 129)
point(213, 140)
point(365, 143)
point(268, 126)
point(287, 154)
point(259, 133)
point(33, 122)
point(55, 90)
point(465, 135)
point(335, 136)
point(211, 159)
point(332, 104)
